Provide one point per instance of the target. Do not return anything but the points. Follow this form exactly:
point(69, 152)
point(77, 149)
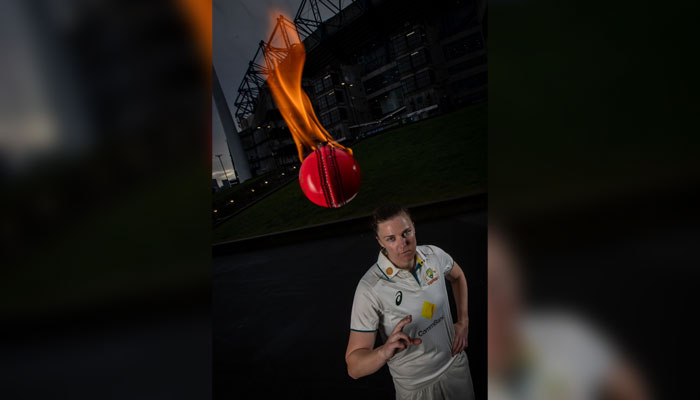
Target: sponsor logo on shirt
point(431, 275)
point(428, 310)
point(399, 297)
point(429, 327)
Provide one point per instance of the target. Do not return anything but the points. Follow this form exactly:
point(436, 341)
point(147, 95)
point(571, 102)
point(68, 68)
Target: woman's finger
point(400, 336)
point(402, 323)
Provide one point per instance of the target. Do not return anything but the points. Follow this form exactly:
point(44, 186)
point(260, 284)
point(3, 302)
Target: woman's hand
point(398, 340)
point(461, 333)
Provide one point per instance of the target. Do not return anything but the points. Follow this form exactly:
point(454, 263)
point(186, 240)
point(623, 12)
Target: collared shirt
point(387, 294)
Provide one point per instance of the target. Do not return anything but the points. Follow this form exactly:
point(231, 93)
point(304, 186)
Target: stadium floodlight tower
point(313, 16)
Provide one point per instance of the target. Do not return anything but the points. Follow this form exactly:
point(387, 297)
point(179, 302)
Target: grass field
point(431, 160)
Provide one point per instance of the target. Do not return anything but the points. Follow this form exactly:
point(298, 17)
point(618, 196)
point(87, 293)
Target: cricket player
point(403, 296)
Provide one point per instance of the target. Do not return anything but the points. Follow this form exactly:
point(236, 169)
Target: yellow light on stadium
point(230, 201)
point(215, 210)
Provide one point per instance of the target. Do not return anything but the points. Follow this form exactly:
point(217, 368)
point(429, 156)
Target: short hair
point(387, 212)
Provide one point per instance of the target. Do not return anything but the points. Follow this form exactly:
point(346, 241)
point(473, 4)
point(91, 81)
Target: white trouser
point(453, 384)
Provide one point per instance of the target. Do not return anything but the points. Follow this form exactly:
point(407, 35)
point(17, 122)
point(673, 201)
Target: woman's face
point(398, 237)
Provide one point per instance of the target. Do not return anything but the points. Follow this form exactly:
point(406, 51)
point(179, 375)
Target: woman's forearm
point(459, 289)
point(363, 362)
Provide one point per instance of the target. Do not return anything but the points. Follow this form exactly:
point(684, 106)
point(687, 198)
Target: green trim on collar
point(415, 270)
point(380, 268)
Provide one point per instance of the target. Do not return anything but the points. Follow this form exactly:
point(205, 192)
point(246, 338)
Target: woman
point(404, 297)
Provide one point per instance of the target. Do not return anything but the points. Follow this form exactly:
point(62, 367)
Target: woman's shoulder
point(429, 249)
point(371, 277)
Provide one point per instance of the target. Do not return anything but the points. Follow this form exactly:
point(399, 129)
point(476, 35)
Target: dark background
point(593, 167)
point(580, 93)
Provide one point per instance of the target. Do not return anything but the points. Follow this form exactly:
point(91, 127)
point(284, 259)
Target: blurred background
point(593, 186)
point(105, 228)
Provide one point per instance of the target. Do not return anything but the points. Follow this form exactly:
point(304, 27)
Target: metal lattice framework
point(276, 54)
point(310, 20)
point(250, 87)
point(313, 15)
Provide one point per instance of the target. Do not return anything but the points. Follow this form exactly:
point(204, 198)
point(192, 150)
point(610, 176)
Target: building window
point(382, 80)
point(376, 57)
point(409, 84)
point(412, 61)
point(417, 81)
point(413, 39)
point(331, 98)
point(423, 79)
point(322, 102)
point(325, 119)
point(407, 41)
point(318, 86)
point(419, 58)
point(399, 44)
point(325, 82)
point(403, 64)
point(334, 115)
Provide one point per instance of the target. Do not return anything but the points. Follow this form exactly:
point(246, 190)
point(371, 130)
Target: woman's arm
point(459, 289)
point(362, 360)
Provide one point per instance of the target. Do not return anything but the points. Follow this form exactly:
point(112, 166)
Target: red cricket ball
point(330, 177)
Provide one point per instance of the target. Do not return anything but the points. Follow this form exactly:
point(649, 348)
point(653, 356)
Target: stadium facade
point(370, 66)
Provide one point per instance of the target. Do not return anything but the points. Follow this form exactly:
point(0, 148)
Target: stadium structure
point(370, 65)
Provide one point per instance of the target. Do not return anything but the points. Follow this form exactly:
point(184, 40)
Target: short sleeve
point(444, 260)
point(365, 309)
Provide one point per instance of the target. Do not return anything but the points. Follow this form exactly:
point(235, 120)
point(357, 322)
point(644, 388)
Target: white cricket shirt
point(386, 294)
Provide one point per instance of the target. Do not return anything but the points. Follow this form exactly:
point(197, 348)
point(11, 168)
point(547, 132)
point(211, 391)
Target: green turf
point(226, 193)
point(440, 158)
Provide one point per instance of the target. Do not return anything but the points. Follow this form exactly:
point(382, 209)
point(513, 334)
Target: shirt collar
point(389, 269)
